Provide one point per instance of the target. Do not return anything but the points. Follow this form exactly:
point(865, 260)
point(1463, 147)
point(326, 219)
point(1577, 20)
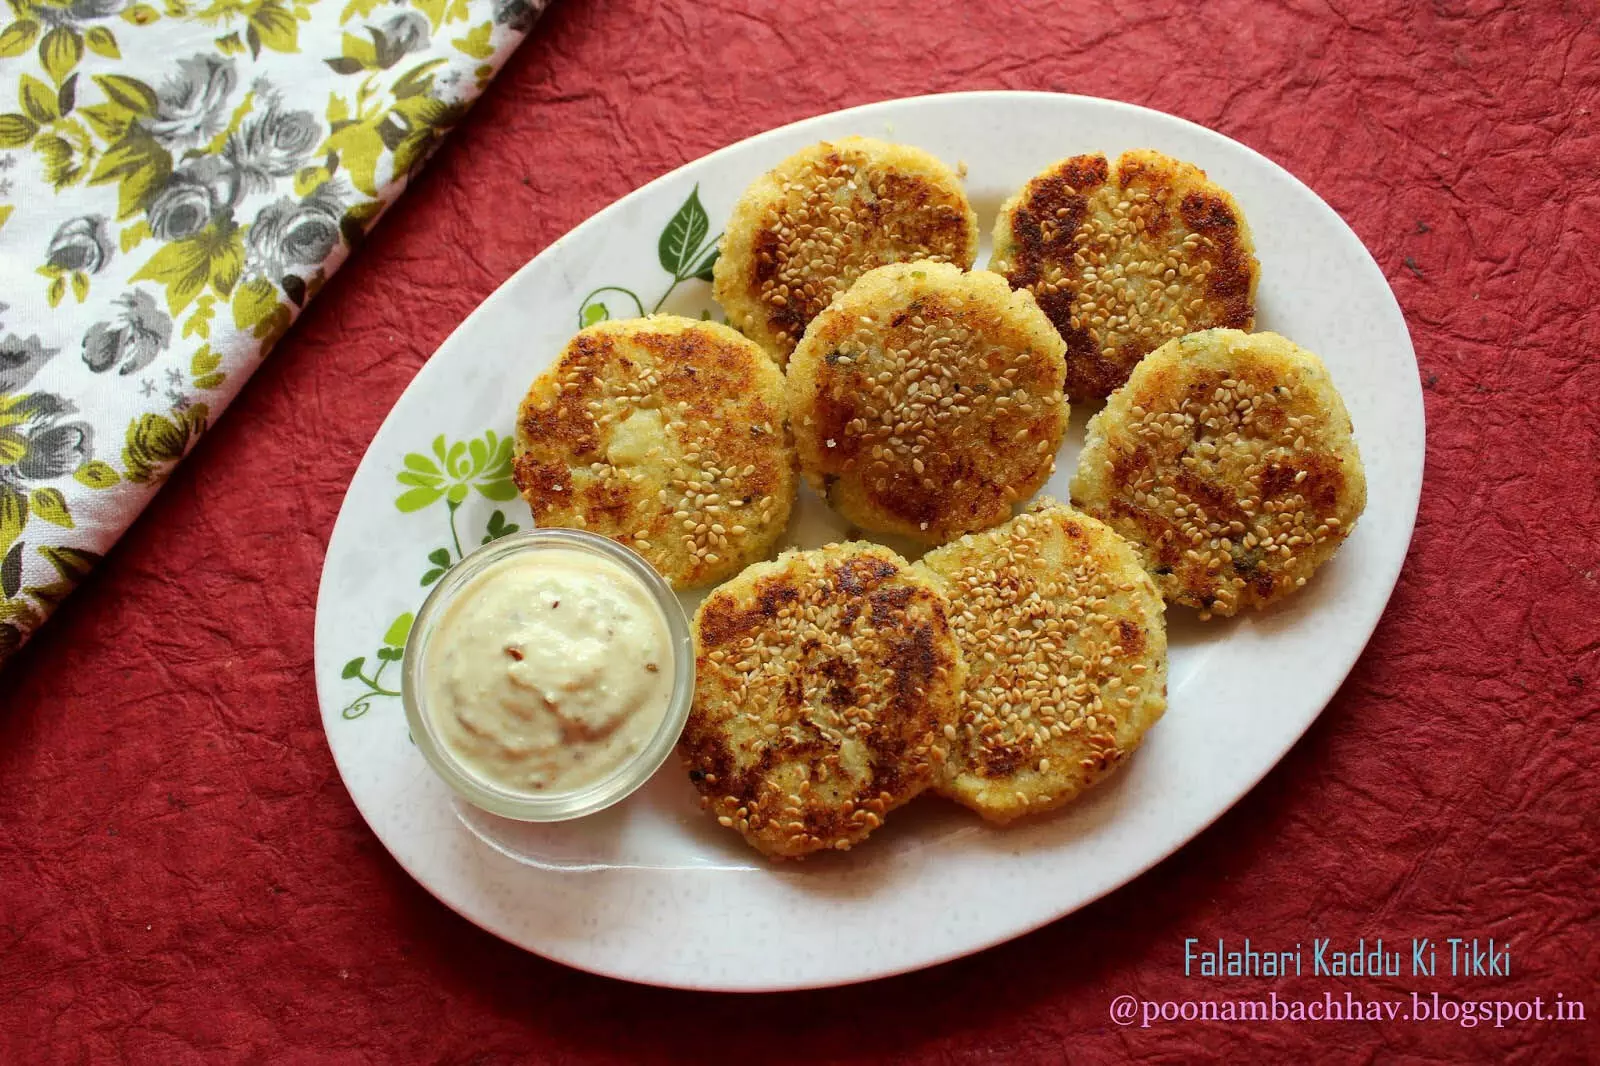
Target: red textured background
point(183, 878)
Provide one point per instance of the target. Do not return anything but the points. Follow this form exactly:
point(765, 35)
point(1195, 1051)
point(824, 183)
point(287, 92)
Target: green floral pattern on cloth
point(177, 180)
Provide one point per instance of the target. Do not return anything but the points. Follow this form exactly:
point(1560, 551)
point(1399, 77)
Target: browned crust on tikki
point(824, 684)
point(1123, 259)
point(666, 434)
point(1229, 460)
point(1065, 644)
point(926, 401)
point(823, 217)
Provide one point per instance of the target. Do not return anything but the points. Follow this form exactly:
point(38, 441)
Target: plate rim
point(1412, 467)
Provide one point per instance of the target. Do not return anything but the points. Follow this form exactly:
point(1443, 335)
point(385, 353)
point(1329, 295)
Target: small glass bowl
point(547, 806)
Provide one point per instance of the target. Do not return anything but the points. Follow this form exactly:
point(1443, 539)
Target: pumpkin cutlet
point(666, 434)
point(825, 682)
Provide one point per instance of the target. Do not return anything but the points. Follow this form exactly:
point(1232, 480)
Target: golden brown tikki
point(1065, 643)
point(1124, 258)
point(825, 683)
point(825, 216)
point(665, 434)
point(926, 400)
point(1228, 460)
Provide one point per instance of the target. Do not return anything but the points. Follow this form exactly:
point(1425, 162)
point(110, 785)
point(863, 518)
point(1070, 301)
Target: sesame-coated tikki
point(824, 216)
point(665, 434)
point(1228, 460)
point(1124, 258)
point(825, 684)
point(1066, 650)
point(927, 401)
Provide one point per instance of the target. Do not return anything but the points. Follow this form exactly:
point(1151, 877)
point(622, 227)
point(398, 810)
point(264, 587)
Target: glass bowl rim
point(571, 803)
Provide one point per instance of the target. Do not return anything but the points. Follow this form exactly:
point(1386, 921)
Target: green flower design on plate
point(483, 464)
point(453, 471)
point(450, 473)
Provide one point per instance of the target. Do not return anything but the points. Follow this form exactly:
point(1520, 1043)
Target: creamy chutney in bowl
point(548, 675)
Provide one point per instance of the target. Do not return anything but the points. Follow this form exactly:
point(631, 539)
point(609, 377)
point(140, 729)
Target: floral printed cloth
point(177, 179)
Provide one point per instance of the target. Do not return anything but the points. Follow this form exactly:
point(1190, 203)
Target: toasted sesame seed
point(1136, 275)
point(1043, 646)
point(701, 465)
point(926, 392)
point(843, 212)
point(1231, 497)
point(821, 630)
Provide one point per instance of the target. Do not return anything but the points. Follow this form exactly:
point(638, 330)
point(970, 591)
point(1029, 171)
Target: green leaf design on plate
point(680, 241)
point(396, 634)
point(684, 251)
point(704, 272)
point(500, 490)
point(449, 471)
point(417, 499)
point(483, 463)
point(498, 527)
point(421, 464)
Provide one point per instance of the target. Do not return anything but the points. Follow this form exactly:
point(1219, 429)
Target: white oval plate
point(651, 890)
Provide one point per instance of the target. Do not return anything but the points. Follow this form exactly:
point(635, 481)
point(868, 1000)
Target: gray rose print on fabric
point(182, 178)
point(81, 11)
point(48, 447)
point(193, 109)
point(516, 14)
point(71, 16)
point(392, 40)
point(193, 196)
point(20, 360)
point(289, 233)
point(81, 244)
point(38, 442)
point(192, 105)
point(267, 147)
point(400, 35)
point(271, 146)
point(142, 331)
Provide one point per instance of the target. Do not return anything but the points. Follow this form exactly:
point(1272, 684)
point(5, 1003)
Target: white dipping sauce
point(548, 670)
